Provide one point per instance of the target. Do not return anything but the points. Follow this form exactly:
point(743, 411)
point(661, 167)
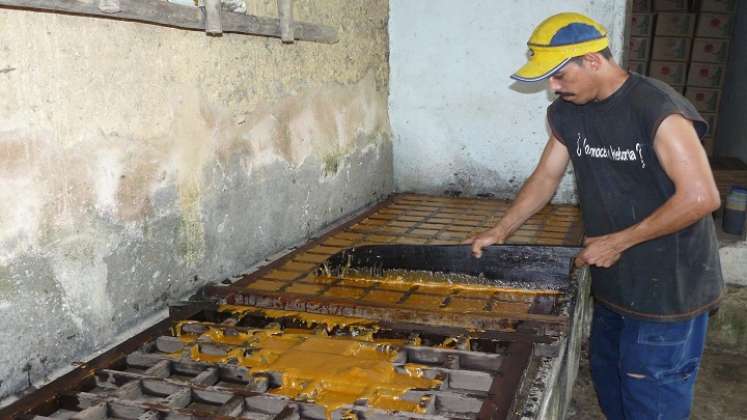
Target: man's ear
point(593, 60)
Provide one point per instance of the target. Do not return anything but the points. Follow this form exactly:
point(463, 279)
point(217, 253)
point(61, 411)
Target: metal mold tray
point(520, 265)
point(506, 364)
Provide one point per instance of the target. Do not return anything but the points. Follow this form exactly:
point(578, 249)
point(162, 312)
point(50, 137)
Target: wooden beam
point(285, 14)
point(213, 20)
point(184, 17)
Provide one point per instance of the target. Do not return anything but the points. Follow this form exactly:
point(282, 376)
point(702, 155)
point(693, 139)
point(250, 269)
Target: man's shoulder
point(653, 94)
point(653, 100)
point(651, 90)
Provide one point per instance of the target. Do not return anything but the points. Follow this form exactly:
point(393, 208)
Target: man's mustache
point(564, 94)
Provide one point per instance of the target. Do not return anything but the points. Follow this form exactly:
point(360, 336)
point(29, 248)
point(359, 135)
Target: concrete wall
point(459, 122)
point(732, 126)
point(138, 162)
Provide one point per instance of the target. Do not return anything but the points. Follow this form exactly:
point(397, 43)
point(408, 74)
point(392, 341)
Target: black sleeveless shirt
point(620, 182)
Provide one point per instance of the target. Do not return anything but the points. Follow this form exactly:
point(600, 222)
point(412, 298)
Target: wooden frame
point(184, 17)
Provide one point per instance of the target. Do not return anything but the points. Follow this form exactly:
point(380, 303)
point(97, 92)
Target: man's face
point(573, 83)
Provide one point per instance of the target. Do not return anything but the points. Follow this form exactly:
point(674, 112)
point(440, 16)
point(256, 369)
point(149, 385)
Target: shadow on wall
point(533, 88)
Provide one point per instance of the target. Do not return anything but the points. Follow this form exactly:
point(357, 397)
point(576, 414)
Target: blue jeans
point(645, 369)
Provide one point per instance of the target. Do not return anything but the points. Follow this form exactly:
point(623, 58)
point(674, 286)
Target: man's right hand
point(489, 237)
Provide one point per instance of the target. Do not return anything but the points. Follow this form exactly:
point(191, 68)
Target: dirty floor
point(720, 393)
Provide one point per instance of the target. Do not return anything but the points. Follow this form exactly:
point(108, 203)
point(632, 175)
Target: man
point(646, 193)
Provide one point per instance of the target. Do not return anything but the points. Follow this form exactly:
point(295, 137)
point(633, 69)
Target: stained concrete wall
point(458, 120)
point(138, 162)
point(732, 126)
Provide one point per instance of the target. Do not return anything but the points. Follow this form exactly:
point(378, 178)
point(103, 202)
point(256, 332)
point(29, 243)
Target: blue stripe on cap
point(575, 33)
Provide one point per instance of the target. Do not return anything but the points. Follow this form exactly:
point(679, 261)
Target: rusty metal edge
point(447, 330)
point(170, 15)
point(505, 386)
point(348, 307)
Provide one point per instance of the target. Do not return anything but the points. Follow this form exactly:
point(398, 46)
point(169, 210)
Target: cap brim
point(537, 69)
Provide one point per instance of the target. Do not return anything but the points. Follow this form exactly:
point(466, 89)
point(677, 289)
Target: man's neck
point(612, 83)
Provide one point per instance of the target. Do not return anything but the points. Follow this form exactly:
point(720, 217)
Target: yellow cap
point(558, 39)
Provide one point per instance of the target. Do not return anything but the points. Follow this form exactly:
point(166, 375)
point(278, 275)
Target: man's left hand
point(600, 251)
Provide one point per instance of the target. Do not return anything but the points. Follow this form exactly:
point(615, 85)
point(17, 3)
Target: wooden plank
point(268, 404)
point(466, 380)
point(178, 16)
point(180, 398)
point(116, 408)
point(207, 378)
point(448, 401)
point(213, 20)
point(471, 360)
point(285, 14)
point(161, 369)
point(130, 409)
point(188, 367)
point(232, 407)
point(149, 415)
point(96, 412)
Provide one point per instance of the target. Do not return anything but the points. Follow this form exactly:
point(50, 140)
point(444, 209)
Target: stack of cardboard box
point(684, 43)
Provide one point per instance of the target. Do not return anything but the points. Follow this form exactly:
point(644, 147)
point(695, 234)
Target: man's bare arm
point(685, 162)
point(534, 194)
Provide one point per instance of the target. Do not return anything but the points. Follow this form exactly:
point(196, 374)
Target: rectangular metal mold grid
point(483, 357)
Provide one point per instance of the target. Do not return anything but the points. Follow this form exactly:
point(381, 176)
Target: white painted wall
point(459, 122)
